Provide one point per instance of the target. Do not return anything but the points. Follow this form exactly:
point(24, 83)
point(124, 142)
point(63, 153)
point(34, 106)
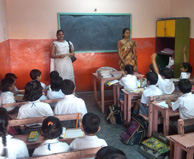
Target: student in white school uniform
point(151, 90)
point(54, 92)
point(14, 77)
point(51, 129)
point(10, 147)
point(34, 108)
point(164, 82)
point(128, 80)
point(90, 126)
point(7, 96)
point(53, 74)
point(70, 104)
point(35, 74)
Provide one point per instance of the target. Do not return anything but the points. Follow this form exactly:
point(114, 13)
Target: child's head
point(110, 152)
point(11, 75)
point(129, 69)
point(35, 74)
point(152, 78)
point(185, 86)
point(54, 74)
point(56, 83)
point(166, 73)
point(7, 84)
point(90, 123)
point(51, 128)
point(67, 87)
point(152, 68)
point(186, 67)
point(33, 91)
point(3, 128)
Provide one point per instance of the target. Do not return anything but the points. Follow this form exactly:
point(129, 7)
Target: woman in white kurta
point(61, 52)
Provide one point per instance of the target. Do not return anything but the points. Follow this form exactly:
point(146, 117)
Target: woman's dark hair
point(67, 87)
point(187, 66)
point(110, 152)
point(56, 83)
point(129, 69)
point(11, 75)
point(53, 74)
point(51, 127)
point(3, 129)
point(124, 30)
point(185, 86)
point(33, 91)
point(58, 31)
point(34, 74)
point(6, 83)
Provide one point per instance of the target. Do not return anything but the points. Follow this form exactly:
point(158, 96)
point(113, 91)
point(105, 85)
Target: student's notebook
point(72, 133)
point(164, 104)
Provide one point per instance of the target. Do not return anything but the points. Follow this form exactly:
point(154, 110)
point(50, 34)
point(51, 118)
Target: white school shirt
point(43, 85)
point(185, 75)
point(6, 98)
point(34, 109)
point(129, 81)
point(55, 94)
point(151, 90)
point(15, 147)
point(165, 85)
point(43, 97)
point(70, 105)
point(51, 146)
point(185, 105)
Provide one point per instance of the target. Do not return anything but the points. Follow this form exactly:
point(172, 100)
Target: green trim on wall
point(97, 51)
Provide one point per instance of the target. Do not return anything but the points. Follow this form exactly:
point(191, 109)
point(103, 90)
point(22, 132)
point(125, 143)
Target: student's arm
point(154, 63)
point(184, 55)
point(53, 53)
point(119, 52)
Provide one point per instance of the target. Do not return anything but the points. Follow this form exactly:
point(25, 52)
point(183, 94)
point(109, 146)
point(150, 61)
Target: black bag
point(73, 58)
point(114, 115)
point(136, 131)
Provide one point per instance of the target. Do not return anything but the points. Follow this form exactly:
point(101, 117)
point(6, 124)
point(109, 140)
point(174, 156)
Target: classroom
point(28, 41)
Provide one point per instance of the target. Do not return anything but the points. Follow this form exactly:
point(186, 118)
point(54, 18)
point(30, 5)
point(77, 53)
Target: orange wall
point(30, 54)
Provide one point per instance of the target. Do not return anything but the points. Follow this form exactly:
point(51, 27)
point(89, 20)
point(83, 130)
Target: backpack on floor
point(136, 131)
point(155, 147)
point(114, 115)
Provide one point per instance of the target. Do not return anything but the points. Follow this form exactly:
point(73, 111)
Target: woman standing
point(127, 51)
point(61, 52)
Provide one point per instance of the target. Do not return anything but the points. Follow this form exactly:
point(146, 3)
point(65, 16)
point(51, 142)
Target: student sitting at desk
point(164, 82)
point(51, 129)
point(14, 77)
point(151, 90)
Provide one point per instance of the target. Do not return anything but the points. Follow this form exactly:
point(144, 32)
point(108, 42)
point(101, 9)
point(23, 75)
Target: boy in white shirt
point(7, 96)
point(90, 126)
point(164, 82)
point(35, 74)
point(70, 104)
point(151, 90)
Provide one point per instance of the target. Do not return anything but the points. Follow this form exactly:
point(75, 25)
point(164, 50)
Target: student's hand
point(168, 101)
point(153, 56)
point(62, 56)
point(140, 93)
point(71, 54)
point(174, 99)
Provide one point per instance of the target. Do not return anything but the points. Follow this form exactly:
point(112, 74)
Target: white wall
point(3, 21)
point(37, 19)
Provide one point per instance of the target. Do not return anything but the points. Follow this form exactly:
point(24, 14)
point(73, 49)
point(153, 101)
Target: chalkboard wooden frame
point(110, 14)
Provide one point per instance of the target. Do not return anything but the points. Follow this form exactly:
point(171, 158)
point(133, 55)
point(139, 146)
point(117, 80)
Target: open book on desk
point(164, 104)
point(72, 133)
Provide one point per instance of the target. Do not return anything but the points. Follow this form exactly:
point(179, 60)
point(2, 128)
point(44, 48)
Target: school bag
point(73, 58)
point(114, 115)
point(155, 147)
point(136, 131)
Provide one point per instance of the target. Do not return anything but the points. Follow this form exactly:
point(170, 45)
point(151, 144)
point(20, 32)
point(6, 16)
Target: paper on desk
point(112, 82)
point(73, 133)
point(164, 104)
point(136, 90)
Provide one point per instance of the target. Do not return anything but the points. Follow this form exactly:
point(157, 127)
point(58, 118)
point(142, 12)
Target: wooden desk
point(178, 143)
point(166, 112)
point(102, 82)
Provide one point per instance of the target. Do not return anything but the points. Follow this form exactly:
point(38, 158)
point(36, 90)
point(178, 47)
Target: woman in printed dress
point(62, 52)
point(127, 51)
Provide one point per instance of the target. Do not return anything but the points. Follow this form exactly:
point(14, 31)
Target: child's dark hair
point(34, 74)
point(167, 73)
point(152, 78)
point(67, 87)
point(51, 128)
point(91, 123)
point(6, 83)
point(11, 75)
point(110, 152)
point(129, 69)
point(54, 74)
point(152, 68)
point(185, 86)
point(187, 66)
point(56, 83)
point(3, 129)
point(58, 31)
point(124, 30)
point(33, 91)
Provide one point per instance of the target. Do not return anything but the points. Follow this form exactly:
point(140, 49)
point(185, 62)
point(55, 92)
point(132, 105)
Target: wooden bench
point(73, 154)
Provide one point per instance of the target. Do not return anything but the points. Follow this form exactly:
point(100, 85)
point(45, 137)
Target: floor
point(111, 133)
